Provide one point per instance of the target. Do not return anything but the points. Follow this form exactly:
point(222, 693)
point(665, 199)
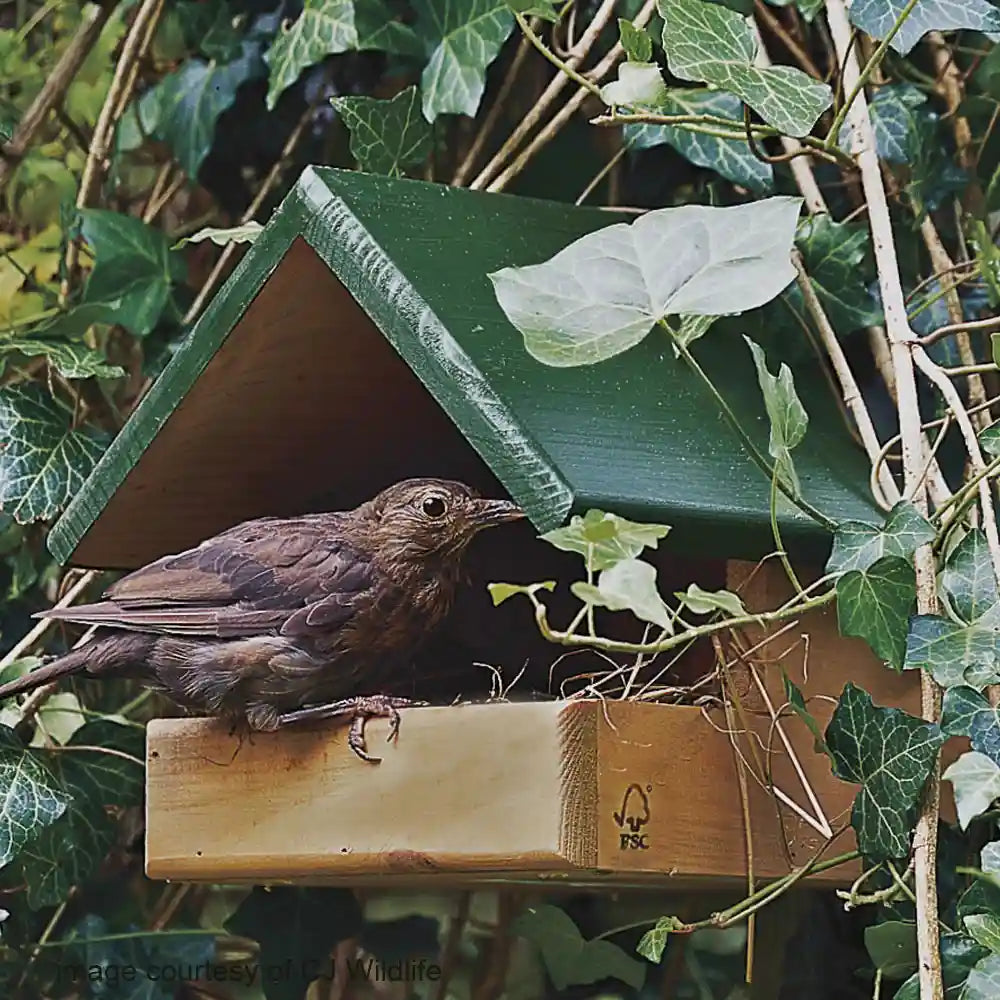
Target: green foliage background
point(202, 120)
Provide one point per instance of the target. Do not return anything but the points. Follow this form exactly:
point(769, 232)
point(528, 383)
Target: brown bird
point(277, 620)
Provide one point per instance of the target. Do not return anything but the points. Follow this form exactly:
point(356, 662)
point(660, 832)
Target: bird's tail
point(72, 663)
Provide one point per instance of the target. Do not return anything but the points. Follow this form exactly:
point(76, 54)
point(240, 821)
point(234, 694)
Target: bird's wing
point(273, 575)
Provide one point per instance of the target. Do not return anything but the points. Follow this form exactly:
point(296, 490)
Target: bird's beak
point(487, 513)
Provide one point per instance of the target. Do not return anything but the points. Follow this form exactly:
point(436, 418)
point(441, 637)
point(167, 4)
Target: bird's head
point(432, 520)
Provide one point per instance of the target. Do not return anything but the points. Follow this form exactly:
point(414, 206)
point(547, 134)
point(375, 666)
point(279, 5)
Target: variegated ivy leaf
point(603, 293)
point(705, 602)
point(30, 796)
point(501, 592)
point(44, 460)
point(462, 38)
point(976, 780)
point(70, 359)
point(788, 416)
point(890, 754)
point(953, 654)
point(708, 43)
point(857, 544)
point(892, 110)
point(834, 255)
point(652, 943)
point(324, 28)
point(245, 233)
point(875, 604)
point(984, 980)
point(966, 712)
point(989, 437)
point(985, 929)
point(629, 585)
point(877, 18)
point(637, 83)
point(730, 158)
point(969, 582)
point(386, 136)
point(604, 539)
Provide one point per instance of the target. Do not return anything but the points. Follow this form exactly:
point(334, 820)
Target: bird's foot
point(360, 709)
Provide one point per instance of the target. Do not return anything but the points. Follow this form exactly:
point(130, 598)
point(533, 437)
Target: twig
point(991, 323)
point(489, 122)
point(776, 28)
point(552, 91)
point(94, 17)
point(452, 945)
point(941, 261)
point(901, 340)
point(270, 182)
point(38, 631)
point(139, 36)
point(849, 386)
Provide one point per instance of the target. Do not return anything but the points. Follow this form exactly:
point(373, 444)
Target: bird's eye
point(434, 507)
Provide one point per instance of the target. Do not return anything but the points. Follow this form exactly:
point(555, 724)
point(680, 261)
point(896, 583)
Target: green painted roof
point(636, 434)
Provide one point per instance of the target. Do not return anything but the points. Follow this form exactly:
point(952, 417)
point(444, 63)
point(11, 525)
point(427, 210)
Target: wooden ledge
point(580, 793)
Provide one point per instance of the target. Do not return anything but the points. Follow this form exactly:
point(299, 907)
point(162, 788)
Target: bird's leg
point(360, 709)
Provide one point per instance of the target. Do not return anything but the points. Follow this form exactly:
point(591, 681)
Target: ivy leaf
point(569, 959)
point(245, 233)
point(501, 592)
point(959, 954)
point(43, 460)
point(969, 582)
point(976, 780)
point(834, 253)
point(989, 437)
point(984, 928)
point(857, 544)
point(137, 961)
point(877, 18)
point(629, 585)
point(953, 654)
point(324, 28)
point(133, 270)
point(606, 539)
point(69, 359)
point(637, 84)
point(984, 980)
point(189, 102)
point(890, 754)
point(462, 37)
point(730, 158)
point(652, 943)
point(894, 121)
point(379, 30)
point(705, 602)
point(874, 604)
point(787, 415)
point(30, 797)
point(603, 293)
point(966, 712)
point(708, 43)
point(892, 947)
point(798, 705)
point(298, 927)
point(934, 175)
point(69, 851)
point(635, 41)
point(386, 136)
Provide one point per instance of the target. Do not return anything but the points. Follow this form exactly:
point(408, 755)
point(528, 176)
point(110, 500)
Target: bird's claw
point(360, 709)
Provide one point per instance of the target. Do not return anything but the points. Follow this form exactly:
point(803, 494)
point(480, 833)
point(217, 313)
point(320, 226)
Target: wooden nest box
point(358, 342)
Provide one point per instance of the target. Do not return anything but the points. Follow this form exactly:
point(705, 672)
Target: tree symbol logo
point(635, 808)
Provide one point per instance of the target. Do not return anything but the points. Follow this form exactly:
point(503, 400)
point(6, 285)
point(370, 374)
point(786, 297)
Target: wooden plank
point(471, 794)
point(408, 261)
